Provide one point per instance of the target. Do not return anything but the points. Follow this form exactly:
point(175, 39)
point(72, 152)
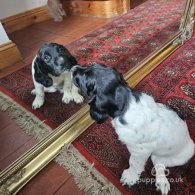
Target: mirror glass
point(120, 42)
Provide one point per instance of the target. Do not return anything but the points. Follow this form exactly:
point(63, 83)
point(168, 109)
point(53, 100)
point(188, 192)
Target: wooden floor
point(53, 179)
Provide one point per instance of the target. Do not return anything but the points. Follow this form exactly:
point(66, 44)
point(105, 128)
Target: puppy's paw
point(129, 177)
point(67, 97)
point(37, 103)
point(33, 92)
point(163, 185)
point(77, 98)
point(50, 89)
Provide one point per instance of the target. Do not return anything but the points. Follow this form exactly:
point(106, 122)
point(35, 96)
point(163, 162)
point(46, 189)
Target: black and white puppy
point(51, 72)
point(147, 128)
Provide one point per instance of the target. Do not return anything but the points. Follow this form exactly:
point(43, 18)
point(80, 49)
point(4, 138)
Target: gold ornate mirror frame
point(14, 177)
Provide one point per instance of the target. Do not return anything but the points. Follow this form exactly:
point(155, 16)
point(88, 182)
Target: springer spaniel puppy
point(51, 72)
point(146, 128)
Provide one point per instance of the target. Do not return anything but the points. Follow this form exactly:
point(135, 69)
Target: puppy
point(147, 128)
point(51, 72)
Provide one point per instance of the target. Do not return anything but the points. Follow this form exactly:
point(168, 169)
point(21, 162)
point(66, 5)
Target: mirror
point(165, 29)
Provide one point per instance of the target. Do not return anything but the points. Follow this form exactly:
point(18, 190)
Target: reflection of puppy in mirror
point(147, 128)
point(51, 72)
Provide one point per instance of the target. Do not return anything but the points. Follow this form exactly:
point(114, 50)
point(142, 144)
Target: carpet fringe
point(85, 175)
point(27, 121)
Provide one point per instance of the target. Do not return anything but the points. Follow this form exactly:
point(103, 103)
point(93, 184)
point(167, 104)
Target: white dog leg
point(131, 175)
point(70, 90)
point(67, 88)
point(75, 94)
point(51, 89)
point(161, 172)
point(162, 182)
point(39, 99)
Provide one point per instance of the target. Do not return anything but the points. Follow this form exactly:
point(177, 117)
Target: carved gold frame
point(14, 177)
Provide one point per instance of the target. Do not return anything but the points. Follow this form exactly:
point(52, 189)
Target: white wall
point(3, 36)
point(12, 7)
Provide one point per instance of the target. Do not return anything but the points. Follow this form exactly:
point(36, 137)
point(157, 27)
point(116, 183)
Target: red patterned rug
point(121, 44)
point(129, 38)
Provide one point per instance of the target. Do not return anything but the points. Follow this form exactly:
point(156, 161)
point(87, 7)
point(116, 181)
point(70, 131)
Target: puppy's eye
point(46, 58)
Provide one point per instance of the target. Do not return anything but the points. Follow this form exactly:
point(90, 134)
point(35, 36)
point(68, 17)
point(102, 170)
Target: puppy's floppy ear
point(95, 110)
point(111, 98)
point(121, 101)
point(40, 75)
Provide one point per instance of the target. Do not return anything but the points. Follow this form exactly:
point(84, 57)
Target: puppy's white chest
point(128, 134)
point(137, 129)
point(57, 80)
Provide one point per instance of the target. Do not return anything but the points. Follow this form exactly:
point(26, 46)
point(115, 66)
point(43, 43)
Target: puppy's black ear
point(95, 109)
point(121, 101)
point(40, 75)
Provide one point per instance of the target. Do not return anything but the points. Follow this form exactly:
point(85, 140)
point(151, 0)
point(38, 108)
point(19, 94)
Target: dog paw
point(129, 177)
point(37, 103)
point(67, 97)
point(77, 98)
point(50, 89)
point(163, 185)
point(33, 92)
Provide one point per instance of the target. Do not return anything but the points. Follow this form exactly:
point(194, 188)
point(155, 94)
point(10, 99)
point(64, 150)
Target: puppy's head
point(105, 89)
point(52, 59)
